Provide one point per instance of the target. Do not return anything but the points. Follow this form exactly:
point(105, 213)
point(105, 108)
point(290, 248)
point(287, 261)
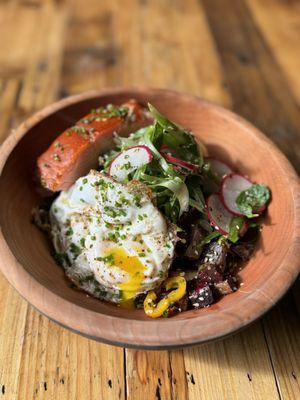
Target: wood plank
point(156, 53)
point(282, 327)
point(8, 97)
point(42, 73)
point(178, 375)
point(259, 90)
point(148, 375)
point(89, 61)
point(13, 312)
point(280, 28)
point(59, 364)
point(17, 33)
point(155, 375)
point(234, 368)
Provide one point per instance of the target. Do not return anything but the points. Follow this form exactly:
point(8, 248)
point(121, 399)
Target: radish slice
point(218, 215)
point(218, 169)
point(232, 185)
point(165, 149)
point(181, 163)
point(128, 161)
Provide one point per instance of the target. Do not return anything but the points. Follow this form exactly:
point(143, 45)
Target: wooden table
point(244, 54)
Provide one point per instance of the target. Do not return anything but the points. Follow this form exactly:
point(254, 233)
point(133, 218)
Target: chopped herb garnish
point(110, 259)
point(69, 232)
point(75, 250)
point(160, 274)
point(56, 157)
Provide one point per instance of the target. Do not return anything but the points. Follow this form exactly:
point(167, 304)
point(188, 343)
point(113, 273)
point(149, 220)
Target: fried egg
point(112, 241)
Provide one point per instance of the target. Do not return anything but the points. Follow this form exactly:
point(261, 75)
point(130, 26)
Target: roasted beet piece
point(197, 234)
point(201, 296)
point(215, 255)
point(225, 287)
point(209, 274)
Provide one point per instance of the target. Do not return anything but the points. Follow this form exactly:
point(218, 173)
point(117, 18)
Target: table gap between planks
point(243, 54)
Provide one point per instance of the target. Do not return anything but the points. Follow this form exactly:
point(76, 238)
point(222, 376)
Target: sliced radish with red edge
point(218, 169)
point(180, 163)
point(128, 161)
point(232, 185)
point(165, 149)
point(218, 215)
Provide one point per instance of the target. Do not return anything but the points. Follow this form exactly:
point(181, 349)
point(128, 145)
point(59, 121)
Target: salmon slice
point(76, 150)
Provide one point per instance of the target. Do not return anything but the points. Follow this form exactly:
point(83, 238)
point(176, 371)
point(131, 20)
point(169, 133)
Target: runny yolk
point(135, 270)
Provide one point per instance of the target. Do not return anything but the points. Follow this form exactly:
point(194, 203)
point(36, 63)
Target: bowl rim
point(46, 301)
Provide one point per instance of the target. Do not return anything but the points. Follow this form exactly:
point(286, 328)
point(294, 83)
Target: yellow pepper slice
point(178, 283)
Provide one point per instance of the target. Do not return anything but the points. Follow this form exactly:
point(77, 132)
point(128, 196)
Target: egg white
point(98, 222)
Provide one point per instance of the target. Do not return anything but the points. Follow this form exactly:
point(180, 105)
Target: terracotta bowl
point(25, 251)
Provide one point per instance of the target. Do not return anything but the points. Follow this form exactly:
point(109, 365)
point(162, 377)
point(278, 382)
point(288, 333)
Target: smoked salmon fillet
point(76, 150)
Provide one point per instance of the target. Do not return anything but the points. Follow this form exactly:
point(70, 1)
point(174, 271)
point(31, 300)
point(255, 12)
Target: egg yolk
point(135, 270)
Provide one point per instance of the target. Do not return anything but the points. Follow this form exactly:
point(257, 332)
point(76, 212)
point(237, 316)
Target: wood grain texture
point(222, 372)
point(282, 327)
point(247, 58)
point(80, 369)
point(147, 44)
point(281, 30)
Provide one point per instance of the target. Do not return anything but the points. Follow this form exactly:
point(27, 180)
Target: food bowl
point(26, 258)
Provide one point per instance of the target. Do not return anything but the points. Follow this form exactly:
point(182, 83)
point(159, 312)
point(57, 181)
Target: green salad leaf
point(174, 190)
point(235, 226)
point(181, 142)
point(252, 199)
point(196, 200)
point(211, 236)
point(176, 186)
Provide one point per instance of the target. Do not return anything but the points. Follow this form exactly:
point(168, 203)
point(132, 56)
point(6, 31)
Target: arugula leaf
point(193, 183)
point(211, 236)
point(174, 184)
point(135, 138)
point(252, 199)
point(151, 139)
point(161, 119)
point(178, 139)
point(235, 226)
